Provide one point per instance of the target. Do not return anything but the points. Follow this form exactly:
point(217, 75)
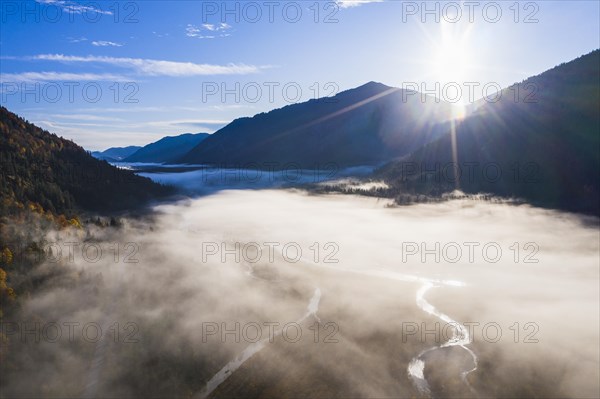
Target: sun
point(459, 111)
point(451, 53)
point(451, 63)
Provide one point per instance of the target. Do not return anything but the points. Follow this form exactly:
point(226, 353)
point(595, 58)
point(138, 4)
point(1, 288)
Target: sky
point(110, 73)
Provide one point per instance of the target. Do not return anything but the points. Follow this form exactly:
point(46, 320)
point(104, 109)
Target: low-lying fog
point(205, 179)
point(364, 289)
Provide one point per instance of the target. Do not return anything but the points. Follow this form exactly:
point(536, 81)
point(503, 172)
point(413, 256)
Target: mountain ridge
point(41, 169)
point(546, 149)
point(365, 125)
point(115, 154)
point(167, 148)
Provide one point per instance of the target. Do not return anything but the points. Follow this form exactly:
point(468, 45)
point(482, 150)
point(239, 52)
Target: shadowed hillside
point(539, 142)
point(366, 125)
point(41, 168)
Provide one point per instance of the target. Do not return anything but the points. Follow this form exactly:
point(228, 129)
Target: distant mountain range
point(40, 168)
point(542, 145)
point(167, 149)
point(366, 125)
point(115, 154)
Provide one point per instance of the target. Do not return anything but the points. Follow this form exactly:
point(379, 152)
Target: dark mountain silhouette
point(542, 136)
point(365, 125)
point(115, 154)
point(42, 169)
point(167, 149)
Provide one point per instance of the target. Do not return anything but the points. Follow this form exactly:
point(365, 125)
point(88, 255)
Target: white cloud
point(75, 8)
point(355, 3)
point(58, 77)
point(185, 122)
point(158, 67)
point(86, 117)
point(216, 28)
point(104, 43)
point(207, 31)
point(77, 39)
point(161, 109)
point(192, 31)
point(89, 132)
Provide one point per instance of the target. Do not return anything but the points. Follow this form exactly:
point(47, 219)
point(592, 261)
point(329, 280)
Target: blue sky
point(110, 73)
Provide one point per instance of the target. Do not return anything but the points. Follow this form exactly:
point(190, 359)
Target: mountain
point(167, 149)
point(544, 141)
point(115, 154)
point(42, 169)
point(366, 125)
